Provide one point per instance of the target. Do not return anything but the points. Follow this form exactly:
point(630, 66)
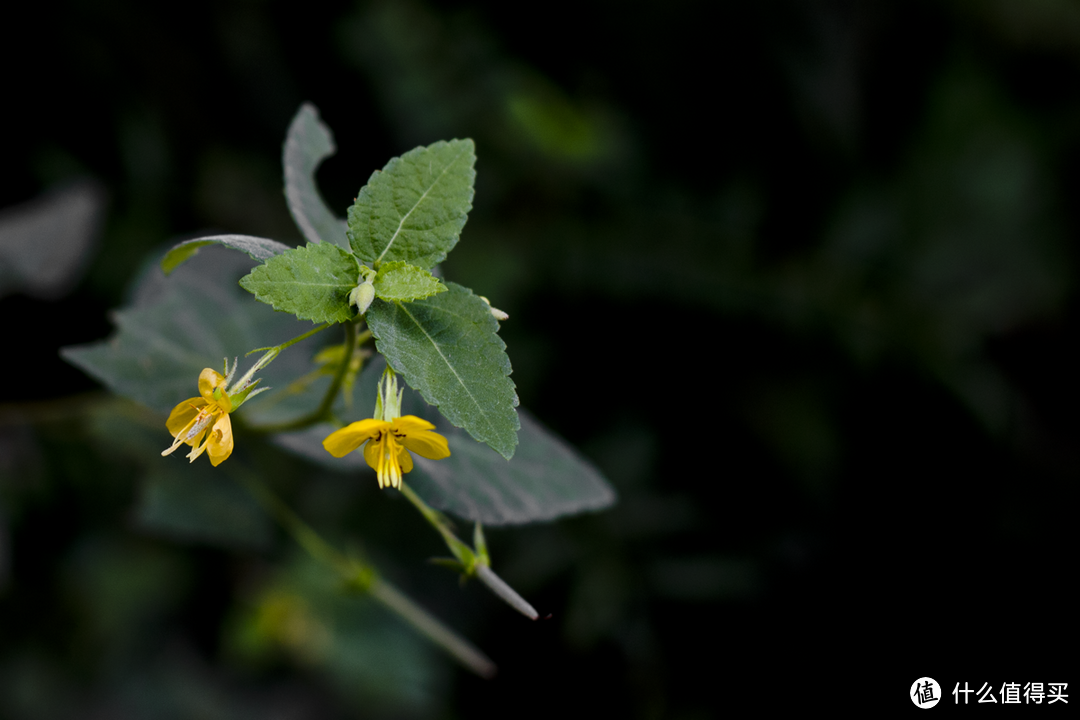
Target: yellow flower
point(389, 437)
point(388, 445)
point(203, 422)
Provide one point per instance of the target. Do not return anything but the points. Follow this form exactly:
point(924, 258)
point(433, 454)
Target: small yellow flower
point(388, 445)
point(203, 422)
point(389, 437)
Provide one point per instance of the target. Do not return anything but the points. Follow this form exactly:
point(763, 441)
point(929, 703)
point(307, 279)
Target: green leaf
point(307, 144)
point(256, 247)
point(312, 282)
point(544, 480)
point(199, 503)
point(404, 283)
point(447, 348)
point(189, 321)
point(376, 661)
point(414, 209)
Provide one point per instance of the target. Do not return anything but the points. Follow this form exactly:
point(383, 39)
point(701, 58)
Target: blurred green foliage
point(798, 277)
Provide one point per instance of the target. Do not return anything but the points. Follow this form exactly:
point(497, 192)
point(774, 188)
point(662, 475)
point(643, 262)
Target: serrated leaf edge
point(263, 298)
point(491, 425)
point(439, 287)
point(405, 217)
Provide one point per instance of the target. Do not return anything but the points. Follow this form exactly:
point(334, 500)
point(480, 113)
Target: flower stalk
point(470, 562)
point(362, 576)
point(323, 411)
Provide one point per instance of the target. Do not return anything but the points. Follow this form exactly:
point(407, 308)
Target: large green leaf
point(184, 323)
point(414, 209)
point(196, 503)
point(377, 662)
point(307, 144)
point(256, 247)
point(447, 348)
point(398, 281)
point(192, 502)
point(545, 479)
point(312, 282)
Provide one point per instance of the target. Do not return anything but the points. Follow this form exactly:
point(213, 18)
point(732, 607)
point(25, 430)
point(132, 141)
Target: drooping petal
point(209, 381)
point(405, 461)
point(342, 442)
point(373, 453)
point(184, 421)
point(183, 415)
point(220, 443)
point(428, 444)
point(419, 438)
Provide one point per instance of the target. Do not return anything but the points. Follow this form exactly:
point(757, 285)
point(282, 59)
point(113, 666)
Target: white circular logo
point(925, 692)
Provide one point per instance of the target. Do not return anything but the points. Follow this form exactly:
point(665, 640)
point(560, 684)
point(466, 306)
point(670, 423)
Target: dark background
point(797, 276)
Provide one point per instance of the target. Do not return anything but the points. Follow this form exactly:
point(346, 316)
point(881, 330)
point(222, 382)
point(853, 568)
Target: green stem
point(461, 551)
point(431, 628)
point(473, 564)
point(323, 411)
point(363, 577)
point(270, 353)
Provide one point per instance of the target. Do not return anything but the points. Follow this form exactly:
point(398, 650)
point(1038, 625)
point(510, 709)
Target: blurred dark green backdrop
point(798, 276)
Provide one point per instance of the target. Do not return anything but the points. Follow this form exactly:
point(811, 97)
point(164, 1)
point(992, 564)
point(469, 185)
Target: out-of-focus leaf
point(404, 283)
point(193, 502)
point(377, 662)
point(312, 282)
point(196, 502)
point(447, 347)
point(545, 479)
point(181, 324)
point(414, 209)
point(307, 144)
point(45, 243)
point(256, 247)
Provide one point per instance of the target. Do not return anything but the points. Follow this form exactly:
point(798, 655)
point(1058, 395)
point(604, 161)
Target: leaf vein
point(401, 224)
point(447, 361)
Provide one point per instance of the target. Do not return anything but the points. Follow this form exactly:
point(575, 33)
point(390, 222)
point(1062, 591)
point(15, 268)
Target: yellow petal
point(410, 423)
point(183, 415)
point(427, 444)
point(373, 452)
point(209, 381)
point(405, 460)
point(342, 442)
point(220, 445)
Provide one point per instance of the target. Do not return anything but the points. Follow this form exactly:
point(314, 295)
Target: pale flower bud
point(361, 296)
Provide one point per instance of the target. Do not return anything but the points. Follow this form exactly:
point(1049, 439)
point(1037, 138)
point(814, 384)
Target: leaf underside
point(181, 324)
point(307, 143)
point(256, 248)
